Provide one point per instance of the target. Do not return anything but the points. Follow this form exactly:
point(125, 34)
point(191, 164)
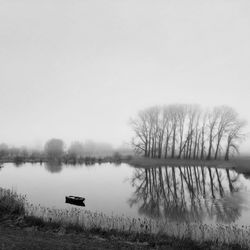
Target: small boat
point(75, 200)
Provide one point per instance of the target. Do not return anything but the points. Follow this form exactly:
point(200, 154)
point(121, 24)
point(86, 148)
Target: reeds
point(11, 202)
point(88, 220)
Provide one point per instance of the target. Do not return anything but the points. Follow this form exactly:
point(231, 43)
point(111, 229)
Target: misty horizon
point(124, 124)
point(83, 71)
point(125, 144)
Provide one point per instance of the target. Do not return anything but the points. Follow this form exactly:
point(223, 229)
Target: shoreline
point(32, 233)
point(240, 164)
point(15, 220)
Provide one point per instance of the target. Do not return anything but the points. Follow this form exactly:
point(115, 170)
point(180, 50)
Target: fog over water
point(80, 70)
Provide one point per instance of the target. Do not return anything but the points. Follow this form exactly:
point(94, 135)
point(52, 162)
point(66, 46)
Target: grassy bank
point(147, 232)
point(241, 164)
point(149, 162)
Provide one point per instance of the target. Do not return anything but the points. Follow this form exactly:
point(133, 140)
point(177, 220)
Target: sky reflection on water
point(180, 194)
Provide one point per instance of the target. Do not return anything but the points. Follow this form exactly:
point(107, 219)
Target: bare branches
point(186, 132)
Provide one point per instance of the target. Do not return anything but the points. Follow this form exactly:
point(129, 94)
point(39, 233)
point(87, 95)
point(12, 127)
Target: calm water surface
point(208, 195)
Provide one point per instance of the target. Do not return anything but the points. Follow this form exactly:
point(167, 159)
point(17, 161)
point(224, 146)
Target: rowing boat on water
point(75, 200)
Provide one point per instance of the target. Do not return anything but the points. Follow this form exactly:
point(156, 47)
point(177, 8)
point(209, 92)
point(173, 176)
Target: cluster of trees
point(90, 149)
point(56, 149)
point(187, 132)
point(7, 151)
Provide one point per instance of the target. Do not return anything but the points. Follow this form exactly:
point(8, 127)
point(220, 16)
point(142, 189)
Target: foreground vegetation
point(149, 232)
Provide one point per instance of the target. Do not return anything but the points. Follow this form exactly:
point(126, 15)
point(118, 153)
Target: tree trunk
point(217, 147)
point(210, 148)
point(173, 146)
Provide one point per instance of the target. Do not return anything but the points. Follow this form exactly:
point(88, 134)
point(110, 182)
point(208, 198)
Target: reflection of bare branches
point(231, 181)
point(219, 182)
point(185, 193)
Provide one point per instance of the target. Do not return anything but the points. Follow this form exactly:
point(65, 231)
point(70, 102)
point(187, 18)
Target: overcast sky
point(78, 69)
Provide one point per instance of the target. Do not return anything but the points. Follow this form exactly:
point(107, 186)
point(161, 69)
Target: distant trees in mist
point(56, 149)
point(90, 149)
point(187, 132)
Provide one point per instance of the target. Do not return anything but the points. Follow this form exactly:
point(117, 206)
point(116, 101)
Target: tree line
point(56, 149)
point(185, 131)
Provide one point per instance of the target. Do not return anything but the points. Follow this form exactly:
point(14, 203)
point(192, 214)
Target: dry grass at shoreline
point(240, 164)
point(136, 228)
point(198, 232)
point(11, 203)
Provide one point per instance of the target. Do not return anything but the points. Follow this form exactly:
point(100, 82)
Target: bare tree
point(184, 131)
point(163, 121)
point(181, 115)
point(234, 136)
point(145, 126)
point(227, 117)
point(141, 140)
point(168, 128)
point(203, 132)
point(174, 121)
point(212, 121)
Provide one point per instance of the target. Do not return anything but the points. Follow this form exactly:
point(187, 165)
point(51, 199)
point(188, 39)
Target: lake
point(183, 194)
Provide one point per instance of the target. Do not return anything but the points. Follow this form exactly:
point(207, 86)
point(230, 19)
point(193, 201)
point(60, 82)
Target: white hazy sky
point(79, 69)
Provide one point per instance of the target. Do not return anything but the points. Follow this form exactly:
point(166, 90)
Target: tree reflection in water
point(187, 194)
point(53, 166)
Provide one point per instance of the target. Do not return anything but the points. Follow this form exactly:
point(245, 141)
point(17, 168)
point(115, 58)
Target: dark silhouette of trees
point(212, 121)
point(234, 136)
point(54, 149)
point(227, 118)
point(4, 150)
point(76, 150)
point(187, 132)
